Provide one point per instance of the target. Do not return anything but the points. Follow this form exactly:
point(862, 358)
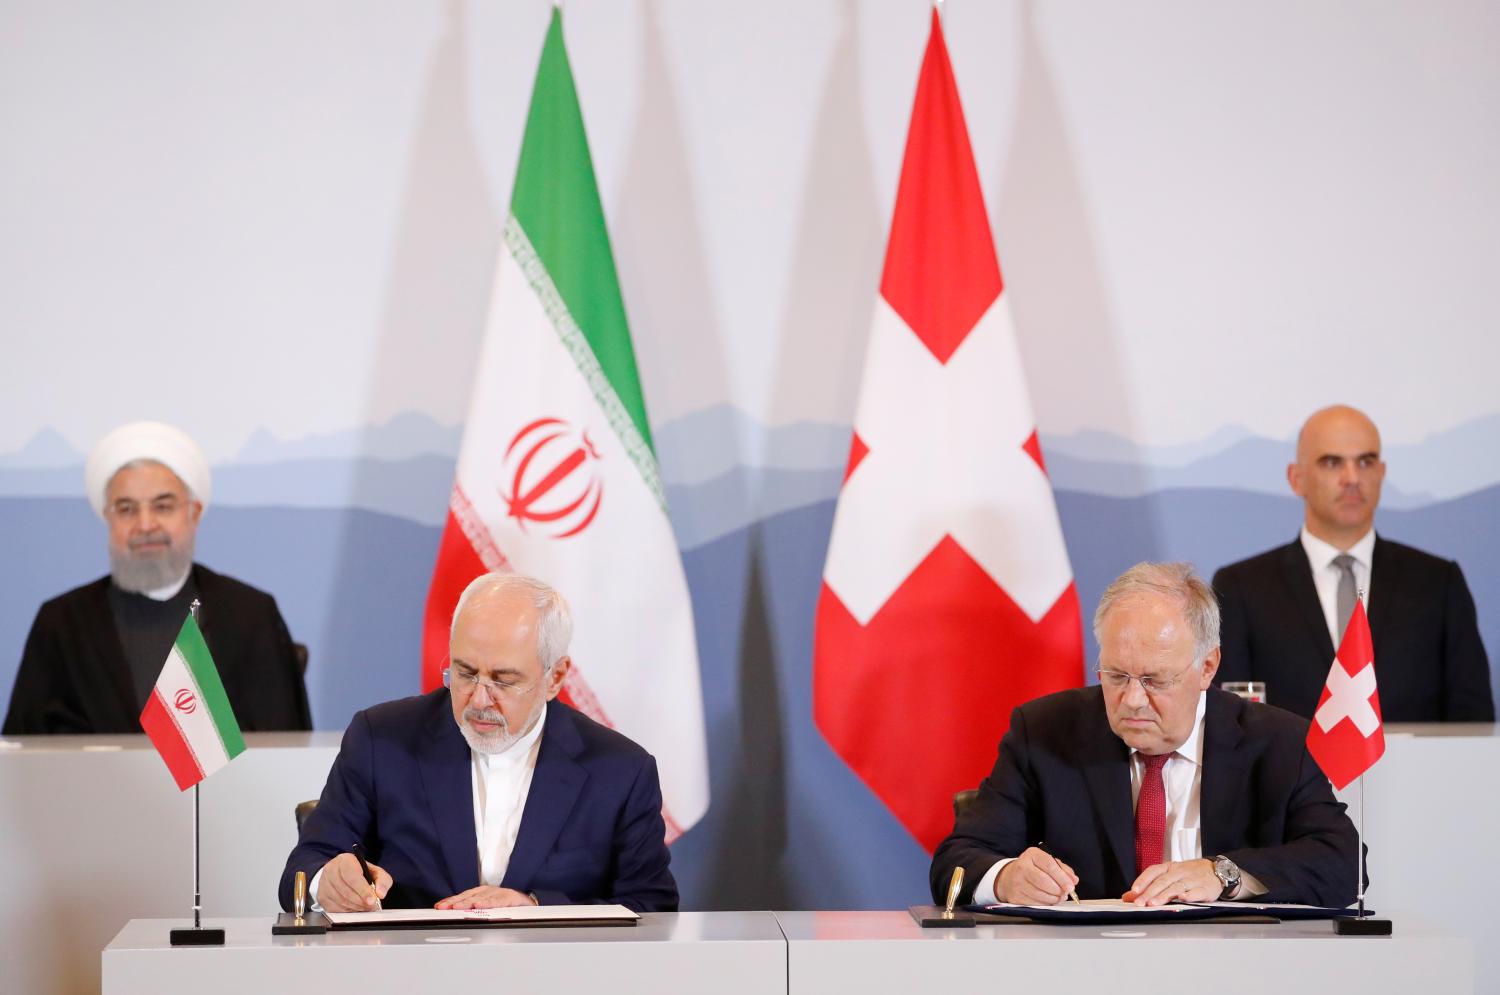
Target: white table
point(761, 953)
point(734, 953)
point(878, 952)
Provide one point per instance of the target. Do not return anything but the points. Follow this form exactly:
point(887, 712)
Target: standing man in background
point(94, 653)
point(1285, 610)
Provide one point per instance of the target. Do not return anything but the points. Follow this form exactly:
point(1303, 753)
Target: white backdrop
point(242, 211)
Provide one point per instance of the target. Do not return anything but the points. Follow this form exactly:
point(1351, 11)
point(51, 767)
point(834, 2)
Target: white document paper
point(1097, 906)
point(519, 914)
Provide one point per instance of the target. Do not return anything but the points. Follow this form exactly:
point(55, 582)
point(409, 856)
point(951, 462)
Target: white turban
point(146, 440)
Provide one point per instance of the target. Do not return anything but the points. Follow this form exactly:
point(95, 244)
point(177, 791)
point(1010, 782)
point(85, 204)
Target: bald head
point(1338, 474)
point(1337, 421)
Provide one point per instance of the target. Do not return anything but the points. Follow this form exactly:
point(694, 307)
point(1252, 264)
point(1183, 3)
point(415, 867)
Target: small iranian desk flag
point(188, 716)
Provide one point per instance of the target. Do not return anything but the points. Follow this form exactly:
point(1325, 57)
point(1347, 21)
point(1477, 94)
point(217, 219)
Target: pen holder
point(937, 917)
point(287, 924)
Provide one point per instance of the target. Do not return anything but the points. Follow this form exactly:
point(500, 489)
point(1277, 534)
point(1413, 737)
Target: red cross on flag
point(947, 595)
point(1346, 736)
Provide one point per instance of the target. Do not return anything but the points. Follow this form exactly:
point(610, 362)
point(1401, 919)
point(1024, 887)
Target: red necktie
point(1150, 814)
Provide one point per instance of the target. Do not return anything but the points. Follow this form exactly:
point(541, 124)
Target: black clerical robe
point(74, 677)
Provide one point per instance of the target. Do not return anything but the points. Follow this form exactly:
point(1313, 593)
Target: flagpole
point(1359, 830)
point(197, 880)
point(197, 863)
point(1359, 863)
point(197, 936)
point(1360, 925)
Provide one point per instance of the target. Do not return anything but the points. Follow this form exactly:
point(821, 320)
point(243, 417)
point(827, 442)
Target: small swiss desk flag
point(1346, 736)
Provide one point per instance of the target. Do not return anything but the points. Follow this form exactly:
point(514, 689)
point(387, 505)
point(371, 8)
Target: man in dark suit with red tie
point(1285, 610)
point(489, 792)
point(1153, 786)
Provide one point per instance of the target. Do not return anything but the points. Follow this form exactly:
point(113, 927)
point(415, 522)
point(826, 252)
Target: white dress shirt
point(1182, 781)
point(502, 783)
point(1326, 576)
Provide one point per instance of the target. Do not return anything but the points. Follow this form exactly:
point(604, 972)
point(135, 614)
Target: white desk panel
point(734, 953)
point(886, 952)
point(1431, 817)
point(93, 833)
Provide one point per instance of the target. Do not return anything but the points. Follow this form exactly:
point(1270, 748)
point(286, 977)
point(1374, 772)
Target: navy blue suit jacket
point(401, 785)
point(1063, 777)
point(1429, 661)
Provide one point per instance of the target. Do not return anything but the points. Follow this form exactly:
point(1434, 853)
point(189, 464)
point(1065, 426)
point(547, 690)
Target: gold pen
point(1072, 892)
point(954, 884)
point(299, 896)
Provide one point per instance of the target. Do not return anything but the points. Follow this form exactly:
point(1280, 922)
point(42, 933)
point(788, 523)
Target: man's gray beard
point(498, 742)
point(140, 574)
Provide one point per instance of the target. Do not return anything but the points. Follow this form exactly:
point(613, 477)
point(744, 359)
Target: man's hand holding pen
point(344, 888)
point(1035, 878)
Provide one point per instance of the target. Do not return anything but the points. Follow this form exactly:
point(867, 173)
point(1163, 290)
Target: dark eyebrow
point(1372, 454)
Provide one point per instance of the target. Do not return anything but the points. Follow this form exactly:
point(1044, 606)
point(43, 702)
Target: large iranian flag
point(188, 716)
point(557, 476)
point(947, 595)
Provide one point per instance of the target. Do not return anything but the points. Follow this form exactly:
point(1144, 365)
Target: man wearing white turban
point(94, 653)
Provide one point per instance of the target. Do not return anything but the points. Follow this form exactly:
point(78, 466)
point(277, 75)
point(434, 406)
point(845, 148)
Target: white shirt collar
point(1320, 554)
point(170, 591)
point(1192, 747)
point(515, 754)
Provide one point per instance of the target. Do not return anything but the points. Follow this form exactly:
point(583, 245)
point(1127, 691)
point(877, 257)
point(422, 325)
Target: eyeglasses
point(1116, 680)
point(468, 683)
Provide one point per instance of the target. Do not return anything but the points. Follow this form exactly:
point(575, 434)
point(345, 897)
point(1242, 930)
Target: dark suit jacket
point(1430, 665)
point(591, 831)
point(74, 678)
point(1063, 777)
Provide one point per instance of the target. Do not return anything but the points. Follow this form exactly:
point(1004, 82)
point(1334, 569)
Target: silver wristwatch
point(1228, 873)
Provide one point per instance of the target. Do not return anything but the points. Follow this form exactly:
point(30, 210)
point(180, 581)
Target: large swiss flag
point(947, 596)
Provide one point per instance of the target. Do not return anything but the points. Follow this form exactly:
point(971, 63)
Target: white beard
point(140, 574)
point(501, 739)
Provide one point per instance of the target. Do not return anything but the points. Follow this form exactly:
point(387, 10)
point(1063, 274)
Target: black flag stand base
point(1362, 927)
point(197, 936)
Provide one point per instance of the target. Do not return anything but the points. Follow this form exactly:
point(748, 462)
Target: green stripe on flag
point(200, 663)
point(620, 420)
point(556, 202)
